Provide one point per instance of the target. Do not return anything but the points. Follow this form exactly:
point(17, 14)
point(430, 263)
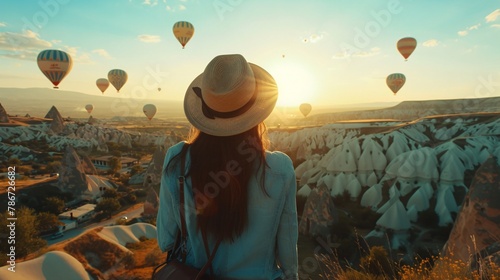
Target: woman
point(235, 190)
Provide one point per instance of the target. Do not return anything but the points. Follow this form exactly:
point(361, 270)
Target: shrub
point(131, 198)
point(108, 260)
point(133, 245)
point(342, 200)
point(110, 193)
point(365, 217)
point(140, 193)
point(378, 262)
point(154, 257)
point(342, 229)
point(107, 206)
point(128, 261)
point(428, 218)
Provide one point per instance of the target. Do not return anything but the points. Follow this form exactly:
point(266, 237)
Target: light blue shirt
point(267, 249)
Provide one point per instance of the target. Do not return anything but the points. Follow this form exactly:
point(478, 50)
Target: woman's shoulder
point(174, 150)
point(279, 161)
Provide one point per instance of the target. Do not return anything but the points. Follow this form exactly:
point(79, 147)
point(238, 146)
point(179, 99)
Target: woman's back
point(268, 237)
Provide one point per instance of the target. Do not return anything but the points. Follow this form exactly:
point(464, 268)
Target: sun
point(296, 85)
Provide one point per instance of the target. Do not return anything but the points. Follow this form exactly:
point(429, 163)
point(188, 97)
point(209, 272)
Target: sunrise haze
point(325, 53)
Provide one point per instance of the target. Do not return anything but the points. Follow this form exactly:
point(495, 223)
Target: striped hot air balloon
point(395, 81)
point(117, 78)
point(406, 46)
point(183, 31)
point(102, 84)
point(55, 65)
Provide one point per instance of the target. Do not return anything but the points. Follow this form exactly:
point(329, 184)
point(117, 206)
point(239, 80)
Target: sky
point(322, 52)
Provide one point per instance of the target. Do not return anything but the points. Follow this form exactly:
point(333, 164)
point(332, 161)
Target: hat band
point(212, 114)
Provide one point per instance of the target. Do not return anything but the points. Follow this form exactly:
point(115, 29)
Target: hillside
point(37, 101)
point(102, 253)
point(410, 110)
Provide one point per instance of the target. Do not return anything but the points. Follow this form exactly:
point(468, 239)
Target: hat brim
point(267, 95)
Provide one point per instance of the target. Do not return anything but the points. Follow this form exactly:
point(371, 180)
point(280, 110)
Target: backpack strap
point(181, 181)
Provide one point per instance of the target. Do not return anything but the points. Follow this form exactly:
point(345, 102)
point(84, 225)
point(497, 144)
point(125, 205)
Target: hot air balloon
point(183, 31)
point(149, 110)
point(55, 64)
point(305, 109)
point(89, 108)
point(406, 46)
point(117, 78)
point(159, 89)
point(102, 84)
point(395, 81)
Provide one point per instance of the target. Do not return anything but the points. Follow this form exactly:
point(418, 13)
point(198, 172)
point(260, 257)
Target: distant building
point(103, 162)
point(96, 186)
point(80, 214)
point(67, 225)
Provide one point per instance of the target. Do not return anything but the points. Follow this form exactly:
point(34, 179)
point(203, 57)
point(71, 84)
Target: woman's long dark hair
point(221, 169)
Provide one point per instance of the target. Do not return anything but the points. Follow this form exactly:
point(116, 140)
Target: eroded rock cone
point(477, 225)
point(4, 118)
point(72, 173)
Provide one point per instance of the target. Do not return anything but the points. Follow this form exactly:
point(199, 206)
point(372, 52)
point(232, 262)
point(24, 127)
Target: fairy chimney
point(4, 118)
point(477, 225)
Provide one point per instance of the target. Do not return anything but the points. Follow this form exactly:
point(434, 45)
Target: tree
point(115, 164)
point(36, 166)
point(47, 222)
point(14, 161)
point(25, 237)
point(110, 193)
point(131, 198)
point(54, 205)
point(108, 206)
point(53, 167)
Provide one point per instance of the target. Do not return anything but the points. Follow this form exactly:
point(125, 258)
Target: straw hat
point(230, 96)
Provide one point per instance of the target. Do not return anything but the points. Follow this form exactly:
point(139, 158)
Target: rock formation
point(53, 113)
point(154, 170)
point(72, 173)
point(88, 166)
point(57, 124)
point(478, 223)
point(151, 204)
point(319, 214)
point(4, 118)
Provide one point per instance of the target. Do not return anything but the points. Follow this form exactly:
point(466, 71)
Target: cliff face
point(478, 223)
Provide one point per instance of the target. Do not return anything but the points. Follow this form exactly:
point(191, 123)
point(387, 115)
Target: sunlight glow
point(296, 84)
